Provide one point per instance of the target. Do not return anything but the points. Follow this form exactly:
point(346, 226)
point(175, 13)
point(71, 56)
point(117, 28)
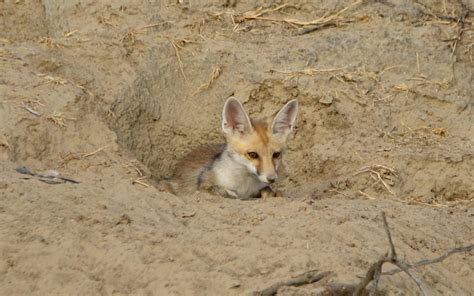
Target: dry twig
point(216, 72)
point(377, 171)
point(299, 280)
point(141, 176)
point(70, 33)
point(67, 157)
point(139, 181)
point(324, 20)
point(423, 262)
point(318, 27)
point(31, 110)
point(372, 276)
point(134, 165)
point(375, 270)
point(368, 196)
point(307, 71)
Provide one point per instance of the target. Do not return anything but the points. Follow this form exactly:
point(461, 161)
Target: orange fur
point(261, 141)
point(189, 167)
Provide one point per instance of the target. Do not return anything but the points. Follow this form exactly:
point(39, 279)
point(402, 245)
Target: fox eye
point(253, 155)
point(276, 154)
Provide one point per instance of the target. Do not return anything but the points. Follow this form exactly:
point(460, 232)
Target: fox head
point(254, 144)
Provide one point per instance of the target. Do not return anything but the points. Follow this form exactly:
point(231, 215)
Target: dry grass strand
point(215, 73)
point(69, 156)
point(57, 118)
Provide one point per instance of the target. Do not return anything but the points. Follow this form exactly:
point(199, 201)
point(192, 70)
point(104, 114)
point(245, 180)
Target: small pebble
point(327, 100)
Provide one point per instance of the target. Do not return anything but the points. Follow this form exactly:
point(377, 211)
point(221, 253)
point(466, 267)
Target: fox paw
point(268, 192)
point(223, 192)
point(165, 186)
point(231, 194)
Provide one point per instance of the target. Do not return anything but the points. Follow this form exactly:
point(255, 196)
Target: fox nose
point(271, 179)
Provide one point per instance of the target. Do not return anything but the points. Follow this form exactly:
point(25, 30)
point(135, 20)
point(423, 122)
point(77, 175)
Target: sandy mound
point(113, 95)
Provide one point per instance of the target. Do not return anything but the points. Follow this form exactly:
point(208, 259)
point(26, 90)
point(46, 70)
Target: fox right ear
point(285, 119)
point(234, 117)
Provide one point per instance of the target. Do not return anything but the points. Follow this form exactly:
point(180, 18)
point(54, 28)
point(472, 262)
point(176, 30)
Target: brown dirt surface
point(114, 93)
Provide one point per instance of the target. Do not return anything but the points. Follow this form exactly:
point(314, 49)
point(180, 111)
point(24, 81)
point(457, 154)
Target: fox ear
point(234, 118)
point(285, 119)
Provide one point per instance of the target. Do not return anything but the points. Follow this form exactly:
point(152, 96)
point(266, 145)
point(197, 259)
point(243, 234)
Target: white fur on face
point(245, 162)
point(234, 173)
point(263, 178)
point(252, 169)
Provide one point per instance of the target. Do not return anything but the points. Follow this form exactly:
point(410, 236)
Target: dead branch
point(375, 271)
point(373, 289)
point(372, 273)
point(302, 279)
point(406, 268)
point(393, 253)
point(372, 276)
point(439, 259)
point(317, 27)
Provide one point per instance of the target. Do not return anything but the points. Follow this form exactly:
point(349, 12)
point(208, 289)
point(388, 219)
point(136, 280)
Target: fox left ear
point(285, 119)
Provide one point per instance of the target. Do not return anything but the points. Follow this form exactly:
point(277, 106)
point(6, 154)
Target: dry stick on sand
point(376, 269)
point(302, 279)
point(139, 181)
point(439, 259)
point(135, 168)
point(307, 71)
point(373, 274)
point(253, 15)
point(31, 110)
point(326, 19)
point(65, 158)
point(141, 175)
point(373, 170)
point(318, 27)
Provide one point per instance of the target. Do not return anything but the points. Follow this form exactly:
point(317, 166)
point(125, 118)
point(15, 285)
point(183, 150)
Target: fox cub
point(247, 164)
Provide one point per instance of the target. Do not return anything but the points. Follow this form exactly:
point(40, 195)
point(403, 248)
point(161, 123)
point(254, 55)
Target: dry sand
point(125, 88)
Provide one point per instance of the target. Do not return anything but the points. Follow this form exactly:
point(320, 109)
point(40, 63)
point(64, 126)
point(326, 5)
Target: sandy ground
point(123, 89)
